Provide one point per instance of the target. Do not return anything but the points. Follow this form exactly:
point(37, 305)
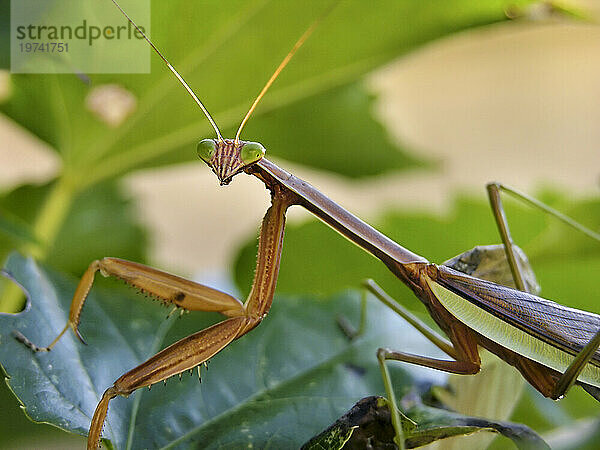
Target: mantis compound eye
point(252, 152)
point(206, 149)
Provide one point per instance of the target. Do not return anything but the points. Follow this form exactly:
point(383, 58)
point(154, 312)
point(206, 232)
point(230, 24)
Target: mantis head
point(228, 157)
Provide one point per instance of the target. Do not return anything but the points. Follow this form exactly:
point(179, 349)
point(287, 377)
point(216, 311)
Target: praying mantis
point(443, 291)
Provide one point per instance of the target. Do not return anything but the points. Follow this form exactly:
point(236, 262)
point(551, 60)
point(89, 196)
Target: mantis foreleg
point(171, 289)
point(178, 357)
point(197, 348)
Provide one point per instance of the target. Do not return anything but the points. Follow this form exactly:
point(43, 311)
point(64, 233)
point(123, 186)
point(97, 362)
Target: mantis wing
point(536, 328)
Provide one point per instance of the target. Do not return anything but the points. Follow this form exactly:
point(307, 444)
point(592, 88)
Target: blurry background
point(516, 102)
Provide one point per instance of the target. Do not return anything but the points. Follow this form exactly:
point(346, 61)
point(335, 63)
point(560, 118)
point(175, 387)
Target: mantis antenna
point(282, 65)
point(172, 69)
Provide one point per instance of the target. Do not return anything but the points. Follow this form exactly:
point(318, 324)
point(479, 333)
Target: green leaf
point(227, 51)
point(4, 35)
point(433, 423)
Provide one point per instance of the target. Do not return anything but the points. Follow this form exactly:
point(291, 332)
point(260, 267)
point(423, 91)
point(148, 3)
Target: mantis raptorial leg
point(470, 311)
point(197, 348)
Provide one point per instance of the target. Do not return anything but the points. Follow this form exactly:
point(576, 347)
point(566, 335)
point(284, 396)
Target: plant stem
point(51, 217)
point(47, 225)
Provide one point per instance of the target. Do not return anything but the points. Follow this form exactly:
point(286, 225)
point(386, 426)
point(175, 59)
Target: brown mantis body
point(436, 286)
point(413, 270)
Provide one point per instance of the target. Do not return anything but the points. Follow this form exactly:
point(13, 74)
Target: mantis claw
point(79, 336)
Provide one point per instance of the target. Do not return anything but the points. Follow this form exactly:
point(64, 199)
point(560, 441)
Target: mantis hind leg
point(569, 377)
point(484, 262)
point(494, 190)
